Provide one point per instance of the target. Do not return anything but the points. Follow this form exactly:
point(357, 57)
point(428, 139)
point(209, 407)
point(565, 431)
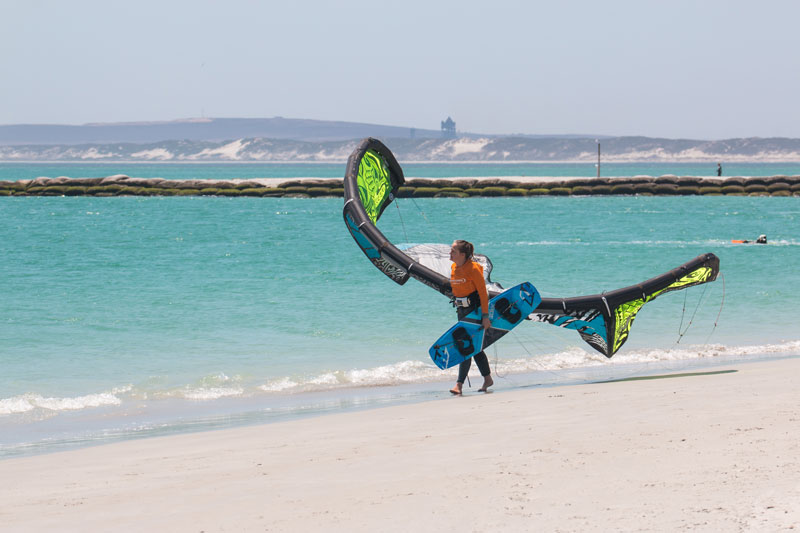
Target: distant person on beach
point(719, 169)
point(469, 292)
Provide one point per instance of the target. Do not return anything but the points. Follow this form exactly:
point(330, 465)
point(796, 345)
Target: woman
point(469, 290)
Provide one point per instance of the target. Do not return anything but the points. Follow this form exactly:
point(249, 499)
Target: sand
point(701, 452)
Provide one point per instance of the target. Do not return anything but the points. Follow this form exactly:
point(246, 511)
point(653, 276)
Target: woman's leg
point(463, 370)
point(483, 365)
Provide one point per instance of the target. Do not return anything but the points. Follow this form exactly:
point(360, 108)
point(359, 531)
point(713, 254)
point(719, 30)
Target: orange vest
point(468, 278)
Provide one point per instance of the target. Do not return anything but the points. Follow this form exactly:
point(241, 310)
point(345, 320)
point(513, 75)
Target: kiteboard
point(467, 337)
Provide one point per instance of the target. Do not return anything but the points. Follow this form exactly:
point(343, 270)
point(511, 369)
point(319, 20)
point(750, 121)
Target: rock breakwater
point(669, 185)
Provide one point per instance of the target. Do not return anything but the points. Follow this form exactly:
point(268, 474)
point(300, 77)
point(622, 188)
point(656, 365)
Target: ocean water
point(184, 171)
point(129, 317)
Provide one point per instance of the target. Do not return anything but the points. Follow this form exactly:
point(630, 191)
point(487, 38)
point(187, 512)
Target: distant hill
point(486, 149)
point(201, 129)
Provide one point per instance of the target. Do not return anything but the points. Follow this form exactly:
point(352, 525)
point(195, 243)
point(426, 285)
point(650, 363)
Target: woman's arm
point(483, 295)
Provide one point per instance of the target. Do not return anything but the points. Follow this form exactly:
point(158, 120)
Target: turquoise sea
point(183, 171)
point(129, 317)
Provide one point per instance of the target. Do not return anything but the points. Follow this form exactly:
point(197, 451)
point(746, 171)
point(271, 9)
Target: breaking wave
point(220, 386)
point(29, 402)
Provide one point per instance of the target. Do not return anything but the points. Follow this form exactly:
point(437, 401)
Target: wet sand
point(715, 450)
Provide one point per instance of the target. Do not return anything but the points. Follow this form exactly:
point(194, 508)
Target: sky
point(701, 69)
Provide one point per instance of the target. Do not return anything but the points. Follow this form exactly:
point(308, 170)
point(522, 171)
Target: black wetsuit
point(480, 358)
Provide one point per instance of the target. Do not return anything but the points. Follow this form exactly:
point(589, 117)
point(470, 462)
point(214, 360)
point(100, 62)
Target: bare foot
point(456, 390)
point(487, 382)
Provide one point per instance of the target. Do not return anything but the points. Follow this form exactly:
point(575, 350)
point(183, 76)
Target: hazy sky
point(693, 69)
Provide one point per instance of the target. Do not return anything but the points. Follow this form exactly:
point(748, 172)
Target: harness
point(466, 302)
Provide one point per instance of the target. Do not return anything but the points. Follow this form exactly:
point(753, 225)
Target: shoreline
point(707, 450)
point(131, 418)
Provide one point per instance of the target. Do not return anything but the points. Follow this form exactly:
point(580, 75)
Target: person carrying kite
point(469, 292)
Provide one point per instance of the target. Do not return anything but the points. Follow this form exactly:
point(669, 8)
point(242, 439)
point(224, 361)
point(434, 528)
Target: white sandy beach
point(704, 452)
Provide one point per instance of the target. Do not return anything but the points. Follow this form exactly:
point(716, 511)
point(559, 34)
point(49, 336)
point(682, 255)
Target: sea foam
point(558, 363)
point(28, 402)
point(574, 358)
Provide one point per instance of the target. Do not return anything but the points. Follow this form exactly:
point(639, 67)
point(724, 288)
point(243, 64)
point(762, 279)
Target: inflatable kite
point(604, 321)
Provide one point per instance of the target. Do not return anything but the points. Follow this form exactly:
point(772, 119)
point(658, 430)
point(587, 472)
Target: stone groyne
point(414, 188)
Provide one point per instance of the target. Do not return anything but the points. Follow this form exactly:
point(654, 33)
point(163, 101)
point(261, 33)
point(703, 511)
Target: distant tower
point(448, 128)
point(412, 132)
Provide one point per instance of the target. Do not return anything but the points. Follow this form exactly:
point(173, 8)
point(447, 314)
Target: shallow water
point(124, 317)
point(234, 170)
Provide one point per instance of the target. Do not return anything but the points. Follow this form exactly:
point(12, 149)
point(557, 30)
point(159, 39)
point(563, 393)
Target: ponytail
point(465, 247)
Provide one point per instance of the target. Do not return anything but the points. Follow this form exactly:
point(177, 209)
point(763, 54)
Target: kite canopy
point(602, 320)
point(437, 258)
point(370, 182)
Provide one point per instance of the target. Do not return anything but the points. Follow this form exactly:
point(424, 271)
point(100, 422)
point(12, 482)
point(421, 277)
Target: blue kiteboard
point(467, 337)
